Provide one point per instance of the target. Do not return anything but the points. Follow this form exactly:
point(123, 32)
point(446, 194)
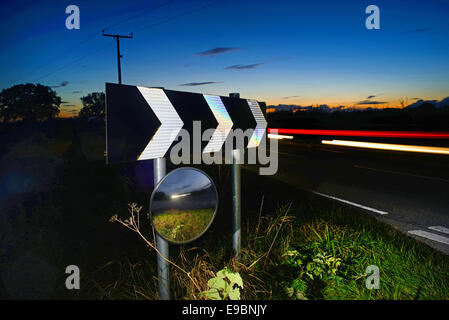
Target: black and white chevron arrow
point(170, 126)
point(224, 124)
point(142, 123)
point(261, 126)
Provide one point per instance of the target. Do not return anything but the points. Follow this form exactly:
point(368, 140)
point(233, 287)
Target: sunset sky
point(281, 52)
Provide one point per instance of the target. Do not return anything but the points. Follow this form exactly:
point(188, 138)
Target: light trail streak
point(366, 133)
point(387, 146)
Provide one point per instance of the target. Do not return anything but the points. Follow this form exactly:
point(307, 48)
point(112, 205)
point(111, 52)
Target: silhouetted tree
point(403, 102)
point(93, 105)
point(29, 102)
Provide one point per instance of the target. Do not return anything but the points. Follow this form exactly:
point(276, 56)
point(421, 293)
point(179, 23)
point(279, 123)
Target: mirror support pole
point(163, 269)
point(237, 156)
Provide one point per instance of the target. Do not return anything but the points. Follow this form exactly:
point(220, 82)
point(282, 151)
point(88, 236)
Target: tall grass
point(408, 269)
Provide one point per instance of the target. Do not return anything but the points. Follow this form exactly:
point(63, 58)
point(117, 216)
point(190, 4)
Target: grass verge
point(312, 250)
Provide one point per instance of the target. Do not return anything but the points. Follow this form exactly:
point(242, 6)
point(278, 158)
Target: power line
point(179, 16)
point(139, 14)
point(57, 57)
point(71, 63)
point(90, 38)
point(139, 30)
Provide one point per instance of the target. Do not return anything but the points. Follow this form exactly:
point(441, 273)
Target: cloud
point(243, 66)
point(194, 84)
point(62, 84)
point(255, 65)
point(279, 59)
point(69, 105)
point(76, 91)
point(288, 97)
point(418, 30)
point(215, 51)
point(363, 102)
point(370, 97)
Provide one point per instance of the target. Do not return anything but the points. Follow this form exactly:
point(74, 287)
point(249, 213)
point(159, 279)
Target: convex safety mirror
point(183, 205)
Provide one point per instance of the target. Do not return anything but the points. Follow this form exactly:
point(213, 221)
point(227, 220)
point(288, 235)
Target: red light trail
point(365, 133)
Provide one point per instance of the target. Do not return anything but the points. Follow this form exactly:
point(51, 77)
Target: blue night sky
point(281, 52)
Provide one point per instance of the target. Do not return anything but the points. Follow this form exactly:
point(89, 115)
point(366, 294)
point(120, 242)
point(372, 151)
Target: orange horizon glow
point(348, 106)
point(348, 102)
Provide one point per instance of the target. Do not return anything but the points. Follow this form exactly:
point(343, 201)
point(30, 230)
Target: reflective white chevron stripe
point(261, 126)
point(170, 126)
point(224, 124)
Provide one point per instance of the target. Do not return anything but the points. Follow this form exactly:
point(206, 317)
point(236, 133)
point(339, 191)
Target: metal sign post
point(163, 269)
point(237, 156)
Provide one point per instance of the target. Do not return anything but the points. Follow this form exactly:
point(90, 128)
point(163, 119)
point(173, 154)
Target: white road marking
point(351, 203)
point(284, 153)
point(440, 229)
point(329, 150)
point(291, 155)
point(429, 235)
point(402, 173)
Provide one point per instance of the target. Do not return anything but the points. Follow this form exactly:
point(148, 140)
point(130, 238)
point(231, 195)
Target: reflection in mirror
point(183, 205)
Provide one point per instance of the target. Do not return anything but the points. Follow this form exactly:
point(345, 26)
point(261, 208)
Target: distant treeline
point(36, 102)
point(424, 117)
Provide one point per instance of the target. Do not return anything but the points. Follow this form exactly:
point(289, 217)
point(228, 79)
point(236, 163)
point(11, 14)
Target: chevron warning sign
point(142, 123)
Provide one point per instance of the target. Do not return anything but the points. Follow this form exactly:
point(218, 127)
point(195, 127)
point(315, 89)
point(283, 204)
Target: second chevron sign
point(142, 123)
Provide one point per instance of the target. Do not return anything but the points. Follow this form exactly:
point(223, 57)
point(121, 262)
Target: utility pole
point(119, 56)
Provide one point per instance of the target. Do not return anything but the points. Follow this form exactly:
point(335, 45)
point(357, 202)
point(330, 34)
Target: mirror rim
point(211, 220)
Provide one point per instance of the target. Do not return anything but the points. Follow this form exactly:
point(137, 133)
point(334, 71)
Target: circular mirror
point(183, 205)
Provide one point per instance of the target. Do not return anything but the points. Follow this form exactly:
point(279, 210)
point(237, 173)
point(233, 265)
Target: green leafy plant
point(327, 263)
point(226, 284)
point(310, 267)
point(318, 266)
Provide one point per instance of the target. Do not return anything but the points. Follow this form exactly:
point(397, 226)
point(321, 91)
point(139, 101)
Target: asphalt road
point(407, 190)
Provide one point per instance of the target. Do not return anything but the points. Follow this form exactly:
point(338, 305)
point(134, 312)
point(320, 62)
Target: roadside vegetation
point(306, 252)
